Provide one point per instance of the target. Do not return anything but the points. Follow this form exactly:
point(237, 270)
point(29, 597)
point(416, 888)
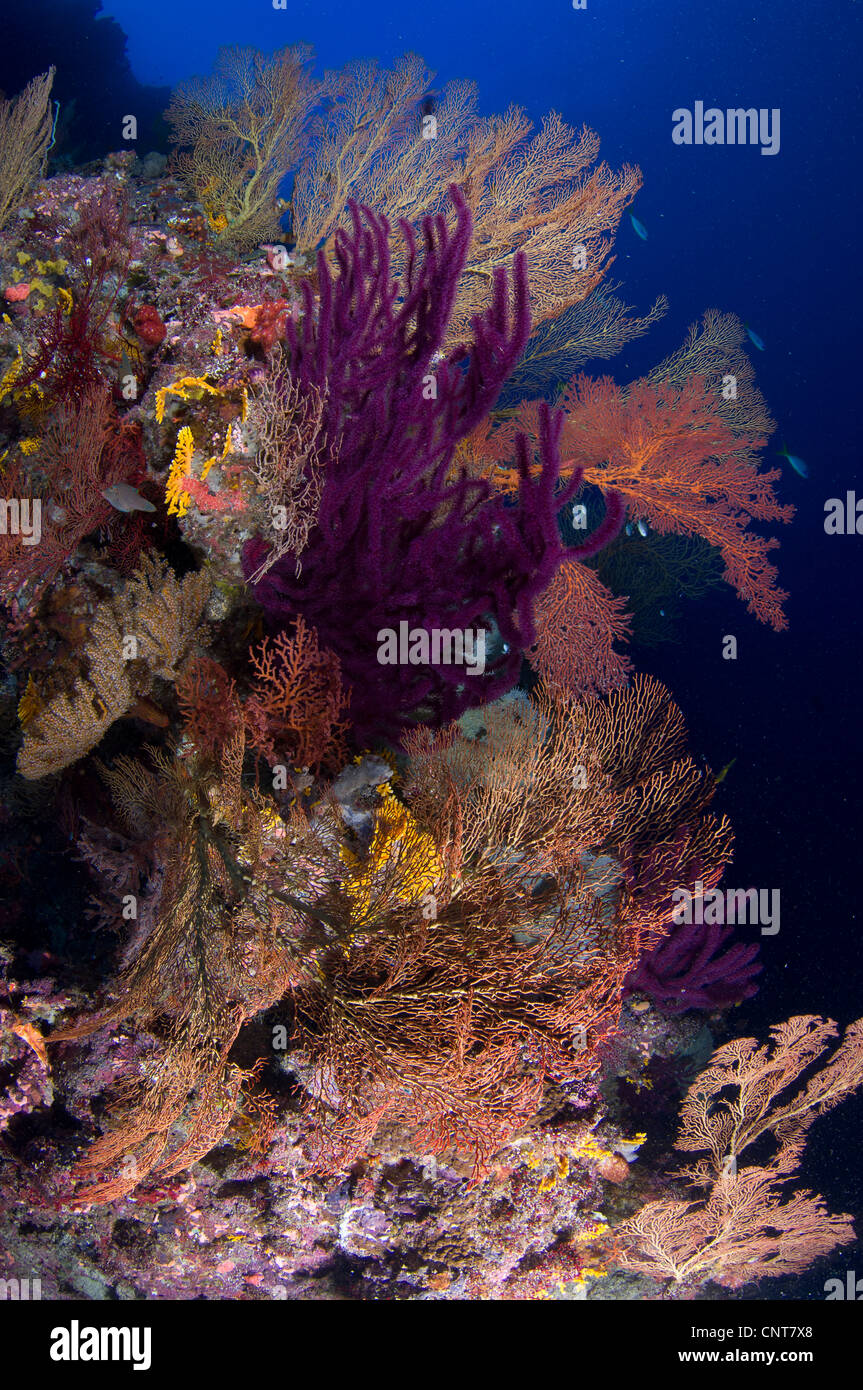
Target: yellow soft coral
point(219, 458)
point(559, 1172)
point(590, 1232)
point(11, 375)
point(187, 388)
point(30, 703)
point(587, 1147)
point(175, 495)
point(402, 863)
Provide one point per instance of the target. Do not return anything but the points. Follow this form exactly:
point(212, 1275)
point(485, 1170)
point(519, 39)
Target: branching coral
point(606, 775)
point(207, 699)
point(449, 1028)
point(744, 1092)
point(457, 1000)
point(239, 132)
point(73, 348)
point(439, 975)
point(747, 1227)
point(540, 196)
point(535, 193)
point(359, 136)
point(223, 928)
point(667, 453)
point(84, 451)
point(287, 467)
point(25, 132)
point(367, 149)
point(593, 329)
point(144, 633)
point(578, 621)
point(296, 705)
point(713, 349)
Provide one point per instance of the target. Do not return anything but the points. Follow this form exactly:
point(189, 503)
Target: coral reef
point(398, 539)
point(344, 834)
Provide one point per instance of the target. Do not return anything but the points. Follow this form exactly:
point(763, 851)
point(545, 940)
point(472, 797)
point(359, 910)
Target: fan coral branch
point(747, 1227)
point(293, 713)
point(669, 454)
point(577, 622)
point(239, 132)
point(25, 132)
point(286, 423)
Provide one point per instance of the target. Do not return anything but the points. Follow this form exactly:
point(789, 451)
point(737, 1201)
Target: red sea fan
point(294, 712)
point(675, 462)
point(578, 621)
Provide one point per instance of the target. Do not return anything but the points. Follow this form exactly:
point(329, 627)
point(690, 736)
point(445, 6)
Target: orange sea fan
point(677, 464)
point(578, 620)
point(209, 705)
point(668, 452)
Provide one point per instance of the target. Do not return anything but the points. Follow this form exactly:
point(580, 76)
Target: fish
point(126, 499)
point(628, 528)
point(798, 464)
point(721, 776)
point(639, 227)
point(754, 337)
point(643, 528)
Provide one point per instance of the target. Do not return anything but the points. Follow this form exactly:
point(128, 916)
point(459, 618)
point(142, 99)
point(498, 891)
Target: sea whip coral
point(697, 966)
point(402, 533)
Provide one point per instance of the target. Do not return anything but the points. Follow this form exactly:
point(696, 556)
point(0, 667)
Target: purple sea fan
point(403, 534)
point(690, 970)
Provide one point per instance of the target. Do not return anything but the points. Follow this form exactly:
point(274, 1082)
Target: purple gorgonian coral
point(404, 534)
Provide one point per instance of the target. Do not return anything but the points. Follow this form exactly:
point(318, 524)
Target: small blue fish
point(628, 528)
point(639, 227)
point(798, 464)
point(754, 337)
point(643, 529)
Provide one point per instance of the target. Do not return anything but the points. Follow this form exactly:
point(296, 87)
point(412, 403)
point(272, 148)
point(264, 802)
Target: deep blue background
point(775, 239)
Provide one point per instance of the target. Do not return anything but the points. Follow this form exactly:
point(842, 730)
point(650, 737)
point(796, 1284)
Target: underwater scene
point(429, 661)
